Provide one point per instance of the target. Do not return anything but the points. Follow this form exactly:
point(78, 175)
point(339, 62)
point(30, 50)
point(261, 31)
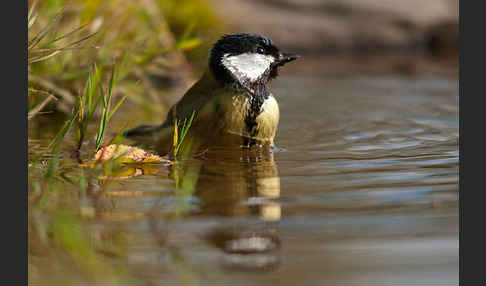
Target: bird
point(231, 105)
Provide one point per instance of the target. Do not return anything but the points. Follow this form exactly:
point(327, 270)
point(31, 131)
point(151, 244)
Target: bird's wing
point(204, 92)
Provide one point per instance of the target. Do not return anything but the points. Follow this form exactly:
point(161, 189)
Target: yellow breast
point(237, 109)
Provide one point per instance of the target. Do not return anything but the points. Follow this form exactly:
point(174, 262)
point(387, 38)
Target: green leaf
point(188, 44)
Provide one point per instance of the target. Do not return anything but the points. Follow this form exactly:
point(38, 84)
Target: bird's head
point(246, 59)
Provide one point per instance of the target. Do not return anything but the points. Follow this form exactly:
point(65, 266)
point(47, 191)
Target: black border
point(461, 138)
point(471, 117)
point(14, 142)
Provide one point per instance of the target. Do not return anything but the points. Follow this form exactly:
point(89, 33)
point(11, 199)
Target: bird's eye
point(260, 50)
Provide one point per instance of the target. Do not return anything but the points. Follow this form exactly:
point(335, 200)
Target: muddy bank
point(318, 27)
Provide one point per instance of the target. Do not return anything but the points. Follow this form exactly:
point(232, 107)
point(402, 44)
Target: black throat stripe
point(256, 101)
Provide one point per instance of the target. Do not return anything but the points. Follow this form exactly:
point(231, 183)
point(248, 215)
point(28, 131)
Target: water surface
point(364, 191)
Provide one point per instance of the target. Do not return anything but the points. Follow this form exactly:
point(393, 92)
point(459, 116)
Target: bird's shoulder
point(202, 93)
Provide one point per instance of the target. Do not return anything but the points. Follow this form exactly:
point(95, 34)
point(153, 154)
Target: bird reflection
point(242, 184)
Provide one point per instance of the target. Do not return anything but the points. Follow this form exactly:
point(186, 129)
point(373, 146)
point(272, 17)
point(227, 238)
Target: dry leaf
point(128, 154)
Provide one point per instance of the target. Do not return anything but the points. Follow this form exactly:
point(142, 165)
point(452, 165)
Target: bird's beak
point(287, 57)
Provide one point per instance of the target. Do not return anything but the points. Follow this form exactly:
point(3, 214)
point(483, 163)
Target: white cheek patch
point(248, 66)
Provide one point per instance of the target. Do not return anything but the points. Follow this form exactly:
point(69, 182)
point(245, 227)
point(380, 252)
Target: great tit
point(231, 105)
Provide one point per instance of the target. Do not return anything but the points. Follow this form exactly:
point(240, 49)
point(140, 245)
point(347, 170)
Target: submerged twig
point(34, 111)
point(64, 93)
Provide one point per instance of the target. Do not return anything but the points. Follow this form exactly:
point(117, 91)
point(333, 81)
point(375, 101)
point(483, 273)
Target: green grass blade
point(43, 58)
point(188, 44)
point(60, 135)
point(70, 33)
point(186, 126)
point(97, 102)
point(57, 51)
point(93, 81)
point(101, 127)
point(56, 146)
point(101, 131)
point(176, 137)
point(188, 29)
point(31, 22)
point(122, 66)
point(37, 38)
point(89, 92)
point(116, 107)
point(113, 79)
point(31, 10)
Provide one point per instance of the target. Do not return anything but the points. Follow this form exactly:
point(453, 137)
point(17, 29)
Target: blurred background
point(364, 187)
point(339, 37)
point(166, 43)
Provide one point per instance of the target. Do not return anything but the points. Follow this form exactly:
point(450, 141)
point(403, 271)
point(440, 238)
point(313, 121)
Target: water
point(364, 191)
